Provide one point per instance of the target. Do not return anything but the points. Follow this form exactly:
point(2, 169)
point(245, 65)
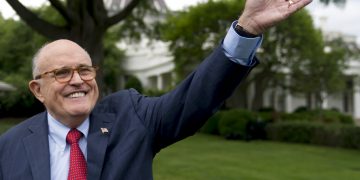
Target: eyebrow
point(79, 65)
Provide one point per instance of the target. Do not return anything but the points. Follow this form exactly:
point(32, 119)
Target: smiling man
point(68, 96)
point(78, 138)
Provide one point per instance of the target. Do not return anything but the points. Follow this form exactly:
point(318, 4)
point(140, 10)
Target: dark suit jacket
point(139, 126)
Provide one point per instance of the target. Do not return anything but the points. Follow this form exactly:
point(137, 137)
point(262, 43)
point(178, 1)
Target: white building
point(151, 63)
point(347, 102)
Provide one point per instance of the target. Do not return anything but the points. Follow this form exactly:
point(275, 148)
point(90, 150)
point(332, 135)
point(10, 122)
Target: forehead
point(62, 53)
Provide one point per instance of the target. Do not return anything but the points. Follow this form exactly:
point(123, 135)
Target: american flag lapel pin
point(104, 130)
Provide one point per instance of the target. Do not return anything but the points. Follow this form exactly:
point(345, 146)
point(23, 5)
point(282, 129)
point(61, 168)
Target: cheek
point(94, 99)
point(52, 93)
point(95, 90)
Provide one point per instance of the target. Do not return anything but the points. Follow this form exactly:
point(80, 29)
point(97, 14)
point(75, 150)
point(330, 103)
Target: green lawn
point(210, 157)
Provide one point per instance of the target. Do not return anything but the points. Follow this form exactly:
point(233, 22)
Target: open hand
point(260, 15)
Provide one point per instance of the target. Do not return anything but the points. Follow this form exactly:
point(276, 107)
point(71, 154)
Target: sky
point(337, 19)
point(330, 18)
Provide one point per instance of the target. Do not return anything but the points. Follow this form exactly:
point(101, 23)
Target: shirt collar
point(58, 131)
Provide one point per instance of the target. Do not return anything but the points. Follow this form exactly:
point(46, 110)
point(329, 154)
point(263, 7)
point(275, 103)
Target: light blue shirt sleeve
point(238, 49)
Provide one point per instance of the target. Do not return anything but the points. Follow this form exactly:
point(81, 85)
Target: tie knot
point(73, 136)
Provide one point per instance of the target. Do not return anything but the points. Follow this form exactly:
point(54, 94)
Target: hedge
point(325, 116)
point(335, 135)
point(212, 124)
point(233, 123)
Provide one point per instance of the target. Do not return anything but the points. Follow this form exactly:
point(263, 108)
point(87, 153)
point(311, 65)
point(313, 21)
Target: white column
point(173, 79)
point(288, 99)
point(250, 94)
point(325, 97)
point(160, 82)
point(356, 107)
point(288, 102)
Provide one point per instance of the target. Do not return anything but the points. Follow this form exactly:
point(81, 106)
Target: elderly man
point(118, 137)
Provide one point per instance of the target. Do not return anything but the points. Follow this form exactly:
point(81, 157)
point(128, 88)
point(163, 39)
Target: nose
point(76, 79)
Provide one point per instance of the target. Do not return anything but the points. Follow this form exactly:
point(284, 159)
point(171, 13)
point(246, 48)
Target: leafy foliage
point(335, 135)
point(325, 74)
point(194, 33)
point(17, 45)
point(319, 115)
point(212, 124)
point(233, 123)
point(112, 69)
point(291, 51)
point(133, 82)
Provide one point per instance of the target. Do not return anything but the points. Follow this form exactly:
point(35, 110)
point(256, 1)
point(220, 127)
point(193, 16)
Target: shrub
point(351, 137)
point(301, 109)
point(270, 116)
point(154, 92)
point(335, 135)
point(212, 124)
point(133, 82)
point(326, 116)
point(20, 102)
point(300, 132)
point(298, 116)
point(331, 116)
point(266, 109)
point(256, 130)
point(345, 119)
point(232, 124)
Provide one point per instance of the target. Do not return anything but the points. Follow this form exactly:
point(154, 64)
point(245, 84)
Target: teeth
point(77, 94)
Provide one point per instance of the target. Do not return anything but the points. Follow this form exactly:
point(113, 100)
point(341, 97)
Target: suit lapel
point(37, 149)
point(97, 143)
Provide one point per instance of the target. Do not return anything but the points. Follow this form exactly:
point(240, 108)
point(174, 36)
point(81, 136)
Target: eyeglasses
point(65, 74)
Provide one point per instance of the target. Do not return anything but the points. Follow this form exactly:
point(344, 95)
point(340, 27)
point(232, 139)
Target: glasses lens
point(63, 74)
point(87, 72)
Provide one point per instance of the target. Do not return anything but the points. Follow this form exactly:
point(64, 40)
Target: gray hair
point(35, 69)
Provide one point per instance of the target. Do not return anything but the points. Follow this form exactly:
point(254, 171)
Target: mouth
point(77, 94)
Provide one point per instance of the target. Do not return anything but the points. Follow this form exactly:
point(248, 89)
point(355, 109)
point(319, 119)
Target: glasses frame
point(73, 69)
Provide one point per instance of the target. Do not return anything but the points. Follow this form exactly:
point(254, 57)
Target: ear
point(35, 87)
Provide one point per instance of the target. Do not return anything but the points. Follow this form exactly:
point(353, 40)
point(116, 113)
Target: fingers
point(295, 5)
point(291, 2)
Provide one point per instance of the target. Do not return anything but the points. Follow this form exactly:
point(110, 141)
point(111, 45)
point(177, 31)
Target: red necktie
point(77, 170)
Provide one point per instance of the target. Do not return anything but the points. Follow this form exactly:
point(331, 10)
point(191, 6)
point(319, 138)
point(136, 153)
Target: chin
point(80, 111)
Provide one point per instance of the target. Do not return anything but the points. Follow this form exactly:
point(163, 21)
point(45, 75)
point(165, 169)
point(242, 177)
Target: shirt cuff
point(238, 49)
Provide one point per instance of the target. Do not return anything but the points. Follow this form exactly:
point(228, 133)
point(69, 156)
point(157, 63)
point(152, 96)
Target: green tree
point(193, 33)
point(112, 69)
point(86, 22)
point(324, 75)
point(284, 48)
point(17, 45)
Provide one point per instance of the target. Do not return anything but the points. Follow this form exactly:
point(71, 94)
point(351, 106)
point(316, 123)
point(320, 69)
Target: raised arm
point(181, 112)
